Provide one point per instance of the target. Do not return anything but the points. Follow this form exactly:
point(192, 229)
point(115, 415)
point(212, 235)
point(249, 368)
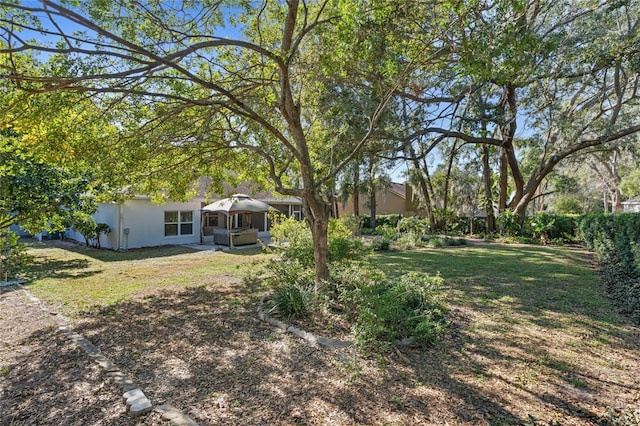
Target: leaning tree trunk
point(372, 194)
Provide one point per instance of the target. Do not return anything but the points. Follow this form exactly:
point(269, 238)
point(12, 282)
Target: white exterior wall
point(144, 221)
point(631, 206)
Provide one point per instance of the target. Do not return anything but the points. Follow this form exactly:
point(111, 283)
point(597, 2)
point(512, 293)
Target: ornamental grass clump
point(292, 301)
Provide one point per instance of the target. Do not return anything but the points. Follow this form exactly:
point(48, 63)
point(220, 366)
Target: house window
point(178, 223)
point(296, 211)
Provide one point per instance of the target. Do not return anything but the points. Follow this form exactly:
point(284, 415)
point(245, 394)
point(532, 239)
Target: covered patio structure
point(237, 204)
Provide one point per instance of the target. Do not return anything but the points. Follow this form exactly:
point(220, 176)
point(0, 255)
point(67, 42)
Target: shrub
point(508, 222)
point(354, 276)
point(13, 256)
point(568, 205)
point(292, 301)
point(380, 244)
point(293, 237)
point(387, 231)
point(369, 231)
point(413, 224)
point(409, 241)
point(615, 239)
point(287, 272)
point(295, 241)
point(409, 306)
point(547, 227)
point(87, 226)
point(342, 242)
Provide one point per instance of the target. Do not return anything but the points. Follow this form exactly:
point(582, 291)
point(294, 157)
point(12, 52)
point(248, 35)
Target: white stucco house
point(631, 206)
point(139, 222)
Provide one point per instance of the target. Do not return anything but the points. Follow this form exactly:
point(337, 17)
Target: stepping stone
point(137, 402)
point(177, 417)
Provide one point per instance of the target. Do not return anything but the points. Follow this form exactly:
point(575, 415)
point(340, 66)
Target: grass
point(76, 278)
point(531, 279)
point(532, 333)
point(534, 317)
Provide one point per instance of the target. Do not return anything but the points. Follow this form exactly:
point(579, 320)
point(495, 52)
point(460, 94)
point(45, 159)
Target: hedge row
point(615, 239)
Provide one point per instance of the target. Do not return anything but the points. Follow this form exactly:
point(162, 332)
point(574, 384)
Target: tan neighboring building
point(398, 198)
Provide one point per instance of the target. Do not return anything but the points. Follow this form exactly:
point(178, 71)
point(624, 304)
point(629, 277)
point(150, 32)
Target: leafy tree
point(215, 88)
point(13, 255)
point(630, 184)
point(35, 194)
point(547, 71)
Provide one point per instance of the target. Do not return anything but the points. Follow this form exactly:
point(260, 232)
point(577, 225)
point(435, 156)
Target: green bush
point(548, 227)
point(292, 301)
point(508, 223)
point(410, 241)
point(381, 220)
point(380, 244)
point(568, 205)
point(343, 244)
point(445, 241)
point(412, 224)
point(295, 241)
point(287, 272)
point(293, 238)
point(387, 231)
point(348, 277)
point(13, 256)
point(410, 306)
point(615, 239)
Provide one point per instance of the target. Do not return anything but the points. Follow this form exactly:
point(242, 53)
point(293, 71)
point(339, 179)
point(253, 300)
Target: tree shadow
point(46, 267)
point(540, 325)
point(108, 255)
point(54, 383)
point(205, 351)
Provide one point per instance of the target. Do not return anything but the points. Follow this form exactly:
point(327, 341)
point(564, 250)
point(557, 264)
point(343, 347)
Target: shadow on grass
point(107, 255)
point(531, 279)
point(538, 322)
point(203, 350)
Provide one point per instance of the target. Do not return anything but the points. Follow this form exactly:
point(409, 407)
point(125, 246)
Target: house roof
point(398, 188)
point(249, 188)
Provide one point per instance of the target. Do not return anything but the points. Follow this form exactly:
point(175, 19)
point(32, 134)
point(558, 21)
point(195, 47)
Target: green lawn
point(75, 278)
point(532, 279)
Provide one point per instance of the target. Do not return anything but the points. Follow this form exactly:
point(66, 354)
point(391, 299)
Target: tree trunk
point(317, 214)
point(488, 194)
point(372, 201)
point(504, 181)
point(356, 191)
point(372, 194)
point(424, 188)
point(445, 201)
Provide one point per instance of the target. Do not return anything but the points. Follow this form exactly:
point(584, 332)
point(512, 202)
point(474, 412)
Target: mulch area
point(45, 379)
point(204, 351)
